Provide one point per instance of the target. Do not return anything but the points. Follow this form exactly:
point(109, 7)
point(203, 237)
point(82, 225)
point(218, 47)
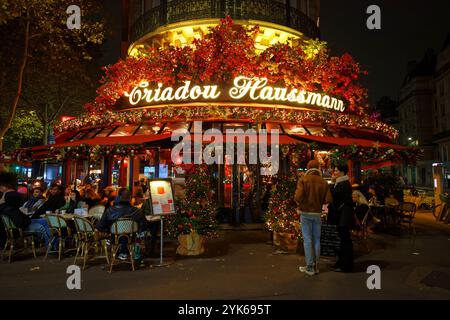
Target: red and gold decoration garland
point(287, 116)
point(375, 154)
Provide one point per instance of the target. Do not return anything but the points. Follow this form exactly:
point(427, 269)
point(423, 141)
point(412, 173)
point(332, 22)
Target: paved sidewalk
point(242, 265)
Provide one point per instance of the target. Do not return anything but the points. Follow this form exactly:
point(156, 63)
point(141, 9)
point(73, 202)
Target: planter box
point(190, 244)
point(285, 242)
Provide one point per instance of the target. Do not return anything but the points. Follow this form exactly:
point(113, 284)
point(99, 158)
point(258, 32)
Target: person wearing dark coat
point(341, 213)
point(10, 202)
point(55, 201)
point(122, 209)
point(11, 208)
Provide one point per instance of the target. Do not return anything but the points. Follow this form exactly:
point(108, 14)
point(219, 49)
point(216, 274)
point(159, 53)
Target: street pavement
point(244, 265)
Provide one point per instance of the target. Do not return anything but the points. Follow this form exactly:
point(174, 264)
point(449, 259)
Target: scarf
point(342, 179)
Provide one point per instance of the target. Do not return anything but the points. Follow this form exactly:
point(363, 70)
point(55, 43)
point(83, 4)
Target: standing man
point(311, 194)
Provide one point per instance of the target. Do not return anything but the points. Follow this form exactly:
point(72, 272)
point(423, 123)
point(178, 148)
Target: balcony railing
point(182, 10)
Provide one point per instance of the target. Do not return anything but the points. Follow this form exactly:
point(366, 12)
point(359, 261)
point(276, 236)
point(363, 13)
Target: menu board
point(161, 196)
point(329, 240)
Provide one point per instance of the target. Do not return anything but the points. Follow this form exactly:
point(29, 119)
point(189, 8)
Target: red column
point(123, 172)
point(66, 172)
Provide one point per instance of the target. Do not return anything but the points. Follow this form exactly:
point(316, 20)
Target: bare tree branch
point(13, 110)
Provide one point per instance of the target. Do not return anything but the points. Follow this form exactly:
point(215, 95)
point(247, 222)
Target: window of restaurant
point(79, 136)
point(52, 172)
point(147, 165)
point(91, 134)
point(104, 132)
point(149, 128)
point(294, 129)
point(115, 171)
point(125, 130)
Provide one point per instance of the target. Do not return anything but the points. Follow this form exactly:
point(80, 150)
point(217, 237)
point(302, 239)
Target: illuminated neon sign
point(244, 89)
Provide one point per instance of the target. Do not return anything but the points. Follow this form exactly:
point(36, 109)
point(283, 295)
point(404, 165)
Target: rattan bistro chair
point(407, 212)
point(97, 211)
point(59, 230)
point(12, 234)
point(88, 239)
point(123, 229)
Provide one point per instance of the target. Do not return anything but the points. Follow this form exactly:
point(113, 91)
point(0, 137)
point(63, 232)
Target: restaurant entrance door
point(238, 196)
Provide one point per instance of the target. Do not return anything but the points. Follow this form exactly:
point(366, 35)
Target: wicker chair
point(59, 230)
point(123, 229)
point(97, 211)
point(360, 235)
point(12, 234)
point(407, 212)
point(88, 239)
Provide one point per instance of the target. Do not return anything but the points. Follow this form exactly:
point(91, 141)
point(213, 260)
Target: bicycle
point(441, 212)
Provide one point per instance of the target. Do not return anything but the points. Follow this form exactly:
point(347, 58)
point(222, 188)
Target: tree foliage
point(36, 40)
point(26, 130)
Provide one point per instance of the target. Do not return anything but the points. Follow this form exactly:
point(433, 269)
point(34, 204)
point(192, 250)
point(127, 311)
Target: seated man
point(34, 203)
point(38, 226)
point(54, 201)
point(122, 209)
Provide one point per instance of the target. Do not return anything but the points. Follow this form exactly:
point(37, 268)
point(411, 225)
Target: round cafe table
point(380, 210)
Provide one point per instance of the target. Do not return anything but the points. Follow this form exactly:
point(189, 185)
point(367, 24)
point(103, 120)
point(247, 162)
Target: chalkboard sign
point(329, 240)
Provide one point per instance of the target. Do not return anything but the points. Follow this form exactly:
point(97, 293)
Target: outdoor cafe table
point(384, 211)
point(380, 210)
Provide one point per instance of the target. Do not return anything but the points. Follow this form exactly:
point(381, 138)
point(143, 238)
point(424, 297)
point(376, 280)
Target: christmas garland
point(287, 116)
point(375, 154)
point(83, 151)
point(18, 156)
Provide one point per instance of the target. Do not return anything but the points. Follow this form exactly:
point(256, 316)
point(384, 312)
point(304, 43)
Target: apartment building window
point(443, 109)
point(441, 89)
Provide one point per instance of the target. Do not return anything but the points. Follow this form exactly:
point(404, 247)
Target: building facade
point(415, 117)
point(441, 121)
point(424, 114)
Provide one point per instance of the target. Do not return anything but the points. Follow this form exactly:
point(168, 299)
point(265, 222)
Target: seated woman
point(72, 202)
point(391, 207)
point(360, 204)
point(138, 198)
point(373, 199)
point(91, 198)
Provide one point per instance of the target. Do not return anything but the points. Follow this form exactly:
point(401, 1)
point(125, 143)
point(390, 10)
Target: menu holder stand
point(169, 184)
point(161, 246)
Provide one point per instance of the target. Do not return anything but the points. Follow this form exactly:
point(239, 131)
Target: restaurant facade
point(247, 66)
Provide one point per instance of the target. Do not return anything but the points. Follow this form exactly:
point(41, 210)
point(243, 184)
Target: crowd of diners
point(28, 212)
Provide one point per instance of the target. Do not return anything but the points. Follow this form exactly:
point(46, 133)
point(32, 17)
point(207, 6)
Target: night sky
point(408, 28)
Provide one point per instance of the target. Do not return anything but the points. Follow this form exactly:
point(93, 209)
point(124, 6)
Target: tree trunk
point(13, 108)
point(45, 125)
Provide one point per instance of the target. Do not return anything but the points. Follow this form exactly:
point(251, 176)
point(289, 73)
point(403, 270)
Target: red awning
point(282, 139)
point(377, 165)
point(349, 141)
point(136, 139)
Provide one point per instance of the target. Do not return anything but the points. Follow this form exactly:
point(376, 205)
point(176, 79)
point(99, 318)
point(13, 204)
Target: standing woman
point(341, 214)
